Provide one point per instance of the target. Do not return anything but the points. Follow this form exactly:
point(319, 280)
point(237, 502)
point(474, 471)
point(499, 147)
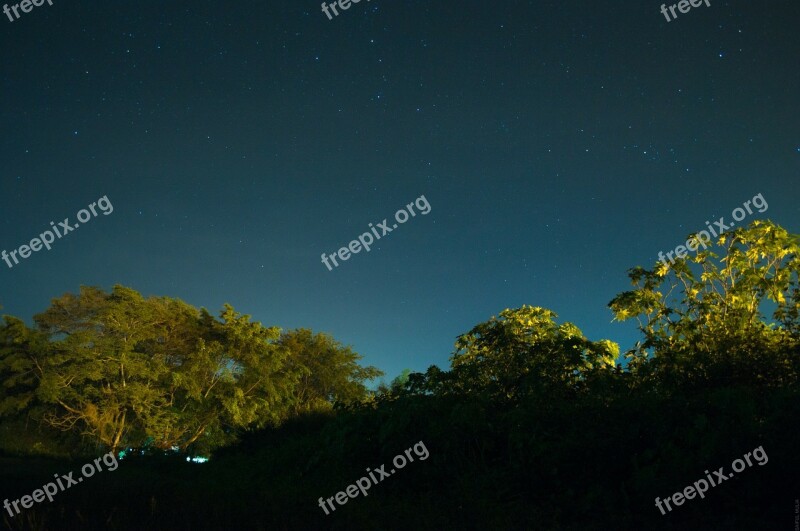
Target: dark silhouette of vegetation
point(533, 426)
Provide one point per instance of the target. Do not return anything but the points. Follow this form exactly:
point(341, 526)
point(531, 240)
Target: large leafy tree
point(704, 317)
point(225, 375)
point(94, 372)
point(521, 352)
point(329, 371)
point(525, 349)
point(125, 370)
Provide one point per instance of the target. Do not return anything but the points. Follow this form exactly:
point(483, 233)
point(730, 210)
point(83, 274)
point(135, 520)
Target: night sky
point(557, 143)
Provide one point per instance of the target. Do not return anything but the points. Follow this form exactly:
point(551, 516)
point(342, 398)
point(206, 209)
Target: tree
point(21, 351)
point(524, 350)
point(129, 371)
point(703, 316)
point(230, 375)
point(330, 372)
point(94, 372)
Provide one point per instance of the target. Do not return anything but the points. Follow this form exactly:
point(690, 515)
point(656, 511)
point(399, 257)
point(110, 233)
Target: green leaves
point(713, 305)
point(129, 371)
point(326, 371)
point(524, 350)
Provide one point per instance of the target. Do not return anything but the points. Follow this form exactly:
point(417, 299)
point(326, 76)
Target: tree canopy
point(531, 426)
point(704, 318)
point(125, 370)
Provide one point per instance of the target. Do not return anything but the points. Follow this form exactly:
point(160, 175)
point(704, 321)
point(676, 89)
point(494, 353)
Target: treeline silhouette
point(533, 426)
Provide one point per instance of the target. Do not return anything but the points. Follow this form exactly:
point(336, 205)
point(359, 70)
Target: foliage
point(702, 317)
point(531, 427)
point(525, 351)
point(329, 371)
point(126, 371)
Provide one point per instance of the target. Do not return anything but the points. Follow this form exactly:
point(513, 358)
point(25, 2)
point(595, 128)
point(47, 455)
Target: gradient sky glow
point(558, 143)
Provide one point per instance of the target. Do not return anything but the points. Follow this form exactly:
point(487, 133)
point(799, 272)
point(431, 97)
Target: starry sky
point(558, 144)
